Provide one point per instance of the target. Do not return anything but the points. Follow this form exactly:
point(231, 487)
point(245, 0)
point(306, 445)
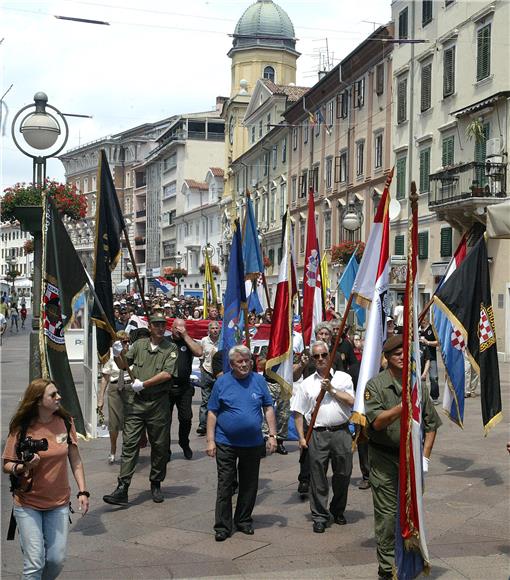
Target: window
point(170, 190)
point(283, 198)
point(275, 156)
point(426, 12)
point(483, 53)
point(327, 229)
point(448, 151)
point(423, 245)
point(284, 150)
point(306, 128)
point(399, 245)
point(401, 100)
point(294, 138)
point(318, 117)
point(270, 255)
point(303, 184)
point(268, 127)
point(170, 162)
point(253, 133)
point(171, 216)
point(330, 113)
point(272, 204)
point(329, 172)
point(266, 163)
point(378, 150)
point(302, 231)
point(359, 93)
point(260, 128)
point(448, 2)
point(426, 86)
point(360, 150)
point(294, 189)
point(341, 168)
point(402, 24)
point(314, 180)
point(85, 185)
point(269, 73)
point(379, 79)
point(94, 181)
point(446, 243)
point(449, 72)
point(401, 178)
point(342, 109)
point(424, 170)
point(280, 255)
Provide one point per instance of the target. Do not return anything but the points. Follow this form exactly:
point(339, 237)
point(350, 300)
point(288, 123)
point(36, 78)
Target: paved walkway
point(467, 511)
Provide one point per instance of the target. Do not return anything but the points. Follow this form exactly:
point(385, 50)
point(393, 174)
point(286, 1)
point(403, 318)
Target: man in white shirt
point(331, 438)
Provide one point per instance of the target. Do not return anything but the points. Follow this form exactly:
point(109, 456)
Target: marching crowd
point(243, 416)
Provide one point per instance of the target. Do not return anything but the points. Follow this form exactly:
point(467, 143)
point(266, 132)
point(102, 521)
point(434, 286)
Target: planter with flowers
point(28, 247)
point(175, 273)
point(214, 268)
point(23, 203)
point(341, 253)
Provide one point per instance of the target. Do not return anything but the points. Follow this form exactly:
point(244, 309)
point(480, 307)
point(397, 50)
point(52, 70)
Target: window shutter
point(401, 178)
point(446, 242)
point(483, 65)
point(449, 72)
point(402, 101)
point(448, 151)
point(426, 87)
point(379, 82)
point(402, 24)
point(423, 245)
point(426, 12)
point(424, 170)
point(399, 245)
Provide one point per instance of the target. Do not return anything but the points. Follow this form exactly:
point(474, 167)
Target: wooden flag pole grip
point(319, 399)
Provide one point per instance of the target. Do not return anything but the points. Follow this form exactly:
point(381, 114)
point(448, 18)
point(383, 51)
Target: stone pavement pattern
point(466, 502)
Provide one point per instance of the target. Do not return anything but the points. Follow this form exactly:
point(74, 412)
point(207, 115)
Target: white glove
point(117, 348)
point(426, 462)
point(137, 386)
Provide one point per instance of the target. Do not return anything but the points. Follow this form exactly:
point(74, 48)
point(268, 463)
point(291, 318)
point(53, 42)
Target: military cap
point(157, 317)
point(392, 343)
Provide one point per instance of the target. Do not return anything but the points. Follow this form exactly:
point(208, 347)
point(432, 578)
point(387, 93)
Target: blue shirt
point(237, 404)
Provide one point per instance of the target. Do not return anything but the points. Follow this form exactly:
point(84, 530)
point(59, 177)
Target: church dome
point(264, 24)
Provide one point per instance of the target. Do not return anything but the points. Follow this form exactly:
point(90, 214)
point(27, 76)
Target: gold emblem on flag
point(368, 396)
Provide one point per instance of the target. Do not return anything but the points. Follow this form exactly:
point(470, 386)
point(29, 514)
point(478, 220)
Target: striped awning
point(480, 104)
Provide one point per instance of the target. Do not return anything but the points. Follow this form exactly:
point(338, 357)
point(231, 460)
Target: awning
point(480, 104)
point(498, 220)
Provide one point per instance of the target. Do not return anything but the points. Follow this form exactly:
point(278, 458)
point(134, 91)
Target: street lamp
point(178, 261)
point(46, 135)
point(352, 216)
point(12, 273)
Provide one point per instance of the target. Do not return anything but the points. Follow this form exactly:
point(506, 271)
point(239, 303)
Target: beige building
point(450, 133)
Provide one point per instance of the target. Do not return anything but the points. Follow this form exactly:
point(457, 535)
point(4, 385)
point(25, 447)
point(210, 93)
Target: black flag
point(63, 279)
point(466, 299)
point(107, 251)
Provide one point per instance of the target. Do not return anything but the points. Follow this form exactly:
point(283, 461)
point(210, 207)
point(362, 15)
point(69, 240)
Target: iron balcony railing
point(468, 180)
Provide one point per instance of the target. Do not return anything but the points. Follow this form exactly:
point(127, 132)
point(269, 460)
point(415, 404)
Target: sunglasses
point(125, 341)
point(320, 355)
point(54, 394)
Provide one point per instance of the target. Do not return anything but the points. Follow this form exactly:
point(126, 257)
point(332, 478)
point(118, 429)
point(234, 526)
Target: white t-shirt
point(331, 412)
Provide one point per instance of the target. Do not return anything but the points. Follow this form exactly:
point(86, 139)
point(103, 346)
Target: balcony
point(139, 241)
point(460, 194)
point(141, 214)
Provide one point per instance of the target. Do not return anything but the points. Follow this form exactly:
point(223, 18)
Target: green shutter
point(449, 72)
point(448, 151)
point(483, 63)
point(399, 245)
point(402, 101)
point(423, 245)
point(424, 170)
point(401, 178)
point(446, 242)
point(426, 86)
point(426, 13)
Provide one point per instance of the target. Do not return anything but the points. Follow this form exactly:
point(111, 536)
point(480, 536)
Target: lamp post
point(352, 216)
point(12, 273)
point(46, 135)
point(178, 261)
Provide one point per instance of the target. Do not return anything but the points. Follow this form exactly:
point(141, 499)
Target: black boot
point(119, 496)
point(157, 496)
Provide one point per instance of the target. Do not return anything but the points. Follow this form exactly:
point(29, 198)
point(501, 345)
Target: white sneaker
point(111, 458)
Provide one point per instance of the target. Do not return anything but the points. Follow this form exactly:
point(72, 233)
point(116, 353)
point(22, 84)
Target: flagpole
point(133, 263)
point(328, 370)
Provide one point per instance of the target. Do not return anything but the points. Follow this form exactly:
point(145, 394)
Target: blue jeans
point(43, 538)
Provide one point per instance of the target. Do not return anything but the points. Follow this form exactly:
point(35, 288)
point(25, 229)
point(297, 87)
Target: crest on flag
point(457, 339)
point(52, 317)
point(487, 330)
point(312, 278)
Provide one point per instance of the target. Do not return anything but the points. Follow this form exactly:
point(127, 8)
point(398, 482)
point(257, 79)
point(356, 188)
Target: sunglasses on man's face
point(320, 355)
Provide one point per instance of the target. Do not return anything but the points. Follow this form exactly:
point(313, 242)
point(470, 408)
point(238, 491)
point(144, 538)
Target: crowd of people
point(13, 312)
point(244, 415)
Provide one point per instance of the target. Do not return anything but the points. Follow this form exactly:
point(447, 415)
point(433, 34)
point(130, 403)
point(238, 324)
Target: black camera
point(28, 447)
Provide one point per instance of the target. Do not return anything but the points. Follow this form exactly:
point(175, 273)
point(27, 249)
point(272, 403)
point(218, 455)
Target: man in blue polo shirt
point(234, 437)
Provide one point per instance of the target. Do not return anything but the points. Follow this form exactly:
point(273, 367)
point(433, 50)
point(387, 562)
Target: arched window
point(269, 73)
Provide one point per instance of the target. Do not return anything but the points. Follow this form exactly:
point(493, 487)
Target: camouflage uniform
point(282, 412)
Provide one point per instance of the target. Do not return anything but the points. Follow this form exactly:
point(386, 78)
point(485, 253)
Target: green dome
point(264, 24)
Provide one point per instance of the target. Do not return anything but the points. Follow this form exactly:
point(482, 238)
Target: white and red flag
point(280, 356)
point(411, 553)
point(379, 310)
point(312, 285)
point(364, 284)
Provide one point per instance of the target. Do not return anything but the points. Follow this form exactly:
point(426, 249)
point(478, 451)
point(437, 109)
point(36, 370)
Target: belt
point(334, 428)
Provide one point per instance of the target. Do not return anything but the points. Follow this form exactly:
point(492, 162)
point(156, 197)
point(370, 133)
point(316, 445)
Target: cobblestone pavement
point(466, 503)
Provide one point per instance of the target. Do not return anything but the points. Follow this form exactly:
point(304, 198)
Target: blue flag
point(235, 296)
point(346, 283)
point(253, 264)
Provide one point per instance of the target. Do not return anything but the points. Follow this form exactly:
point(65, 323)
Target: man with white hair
point(331, 438)
point(234, 437)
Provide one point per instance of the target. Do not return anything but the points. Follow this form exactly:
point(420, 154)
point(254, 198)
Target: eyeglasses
point(125, 341)
point(320, 355)
point(54, 394)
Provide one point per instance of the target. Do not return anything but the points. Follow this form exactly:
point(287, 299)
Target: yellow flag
point(325, 279)
point(210, 296)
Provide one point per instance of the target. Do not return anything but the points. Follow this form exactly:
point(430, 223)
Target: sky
point(155, 59)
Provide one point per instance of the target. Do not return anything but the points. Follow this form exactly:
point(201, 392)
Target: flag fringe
point(358, 419)
point(492, 423)
point(363, 301)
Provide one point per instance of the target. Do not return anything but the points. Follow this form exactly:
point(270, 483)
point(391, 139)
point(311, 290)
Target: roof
point(292, 92)
point(217, 171)
point(194, 184)
point(264, 17)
